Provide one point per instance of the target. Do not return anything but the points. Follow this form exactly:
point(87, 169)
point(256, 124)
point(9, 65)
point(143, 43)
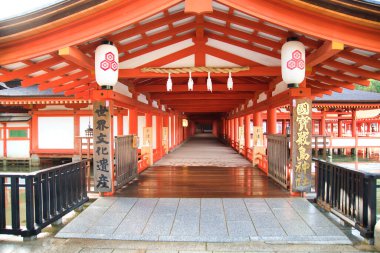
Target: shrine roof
point(350, 96)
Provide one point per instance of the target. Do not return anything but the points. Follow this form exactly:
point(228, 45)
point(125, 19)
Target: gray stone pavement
point(204, 150)
point(277, 220)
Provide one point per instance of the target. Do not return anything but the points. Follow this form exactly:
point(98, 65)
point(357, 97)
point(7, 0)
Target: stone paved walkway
point(285, 220)
point(204, 150)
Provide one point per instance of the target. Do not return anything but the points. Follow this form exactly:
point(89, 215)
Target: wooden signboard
point(241, 136)
point(147, 136)
point(102, 147)
point(258, 137)
point(301, 145)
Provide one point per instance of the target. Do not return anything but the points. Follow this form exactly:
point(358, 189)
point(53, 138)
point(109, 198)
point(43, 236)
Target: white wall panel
point(56, 132)
point(1, 148)
point(141, 124)
point(125, 125)
point(18, 149)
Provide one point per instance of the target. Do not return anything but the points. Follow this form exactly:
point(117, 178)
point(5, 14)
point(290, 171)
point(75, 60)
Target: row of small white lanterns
point(292, 66)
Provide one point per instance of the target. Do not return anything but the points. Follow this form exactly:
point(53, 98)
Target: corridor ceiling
point(244, 33)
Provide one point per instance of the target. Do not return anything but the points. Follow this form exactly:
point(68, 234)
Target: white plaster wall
point(56, 132)
point(1, 148)
point(17, 124)
point(114, 125)
point(18, 148)
point(154, 131)
point(141, 124)
point(125, 125)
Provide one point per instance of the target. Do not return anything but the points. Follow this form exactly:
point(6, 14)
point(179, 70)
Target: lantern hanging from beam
point(185, 123)
point(293, 62)
point(106, 64)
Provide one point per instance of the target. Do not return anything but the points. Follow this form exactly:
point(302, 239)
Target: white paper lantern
point(293, 62)
point(106, 64)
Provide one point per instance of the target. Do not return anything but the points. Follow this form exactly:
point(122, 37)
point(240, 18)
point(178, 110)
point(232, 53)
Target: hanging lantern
point(169, 83)
point(106, 64)
point(209, 83)
point(190, 83)
point(293, 62)
point(230, 83)
point(185, 123)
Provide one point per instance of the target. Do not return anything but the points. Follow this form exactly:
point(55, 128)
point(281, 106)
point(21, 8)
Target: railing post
point(29, 205)
point(2, 203)
point(15, 202)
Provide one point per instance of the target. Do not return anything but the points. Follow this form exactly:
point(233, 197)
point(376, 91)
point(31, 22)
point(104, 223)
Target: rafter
point(201, 102)
point(329, 80)
point(323, 86)
point(72, 85)
point(170, 58)
point(230, 57)
point(65, 79)
point(74, 55)
point(344, 77)
point(80, 89)
point(360, 59)
point(21, 73)
point(327, 50)
point(44, 77)
point(352, 69)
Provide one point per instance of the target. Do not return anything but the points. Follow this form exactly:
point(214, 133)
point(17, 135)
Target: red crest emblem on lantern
point(109, 62)
point(296, 61)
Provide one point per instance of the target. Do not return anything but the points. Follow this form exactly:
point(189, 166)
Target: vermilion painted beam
point(327, 50)
point(297, 17)
point(74, 55)
point(63, 80)
point(162, 35)
point(72, 85)
point(80, 89)
point(20, 73)
point(154, 47)
point(248, 46)
point(360, 59)
point(201, 87)
point(190, 95)
point(352, 69)
point(324, 86)
point(243, 35)
point(169, 58)
point(44, 77)
point(341, 76)
point(253, 71)
point(230, 57)
point(329, 80)
point(139, 29)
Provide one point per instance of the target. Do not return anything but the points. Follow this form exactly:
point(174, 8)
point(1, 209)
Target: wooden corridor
point(203, 181)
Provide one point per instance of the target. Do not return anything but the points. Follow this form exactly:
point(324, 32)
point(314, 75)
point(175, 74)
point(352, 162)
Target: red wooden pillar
point(284, 126)
point(148, 120)
point(354, 122)
point(322, 127)
point(257, 119)
point(236, 134)
point(133, 123)
point(229, 127)
point(120, 124)
point(232, 132)
point(247, 133)
point(173, 131)
point(33, 137)
point(271, 121)
point(159, 123)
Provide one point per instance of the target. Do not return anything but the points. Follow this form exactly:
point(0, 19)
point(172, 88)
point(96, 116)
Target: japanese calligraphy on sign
point(102, 147)
point(301, 144)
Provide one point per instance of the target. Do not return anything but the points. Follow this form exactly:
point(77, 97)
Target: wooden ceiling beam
point(230, 57)
point(334, 82)
point(153, 47)
point(201, 87)
point(21, 73)
point(168, 58)
point(326, 51)
point(248, 46)
point(81, 89)
point(72, 85)
point(351, 79)
point(64, 80)
point(45, 77)
point(76, 56)
point(352, 69)
point(202, 102)
point(324, 86)
point(360, 59)
point(253, 71)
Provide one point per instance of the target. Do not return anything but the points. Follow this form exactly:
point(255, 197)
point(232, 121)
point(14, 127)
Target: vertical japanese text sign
point(301, 145)
point(102, 147)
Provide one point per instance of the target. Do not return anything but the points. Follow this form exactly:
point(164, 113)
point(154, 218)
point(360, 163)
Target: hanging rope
point(194, 69)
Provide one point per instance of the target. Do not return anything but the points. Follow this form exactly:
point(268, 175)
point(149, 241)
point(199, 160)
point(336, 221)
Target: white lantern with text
point(293, 63)
point(106, 65)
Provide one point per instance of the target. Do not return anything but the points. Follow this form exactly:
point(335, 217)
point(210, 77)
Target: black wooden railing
point(278, 159)
point(31, 201)
point(125, 160)
point(349, 194)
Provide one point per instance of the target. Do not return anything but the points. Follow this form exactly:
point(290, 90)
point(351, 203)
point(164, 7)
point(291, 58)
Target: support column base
point(76, 158)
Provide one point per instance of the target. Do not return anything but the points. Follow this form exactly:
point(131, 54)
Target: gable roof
point(350, 96)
